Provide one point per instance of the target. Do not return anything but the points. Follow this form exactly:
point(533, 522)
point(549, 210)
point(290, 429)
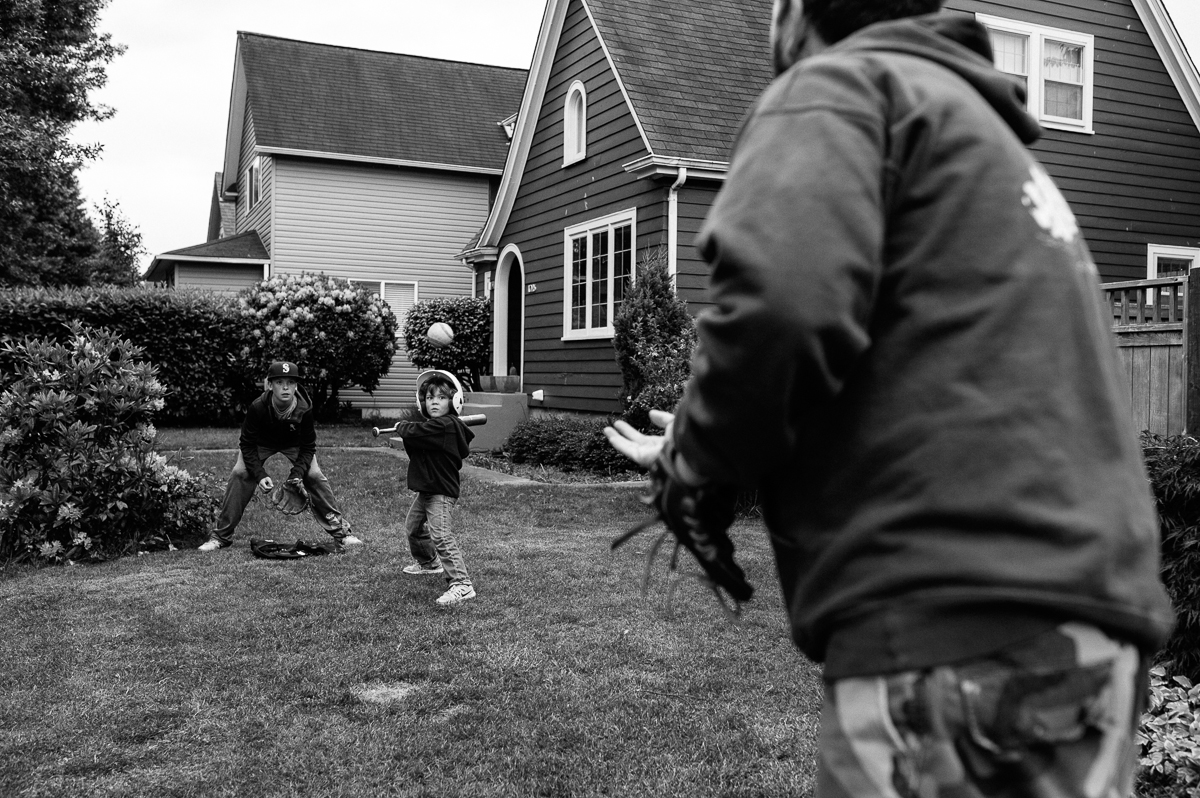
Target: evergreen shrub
point(572, 443)
point(469, 317)
point(1173, 464)
point(654, 336)
point(339, 334)
point(194, 338)
point(79, 478)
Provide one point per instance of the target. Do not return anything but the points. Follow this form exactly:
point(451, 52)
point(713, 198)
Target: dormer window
point(575, 124)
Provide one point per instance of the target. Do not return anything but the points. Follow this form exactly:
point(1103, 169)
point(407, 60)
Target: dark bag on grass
point(278, 550)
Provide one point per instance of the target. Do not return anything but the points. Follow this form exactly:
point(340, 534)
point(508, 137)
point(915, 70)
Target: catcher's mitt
point(697, 516)
point(289, 497)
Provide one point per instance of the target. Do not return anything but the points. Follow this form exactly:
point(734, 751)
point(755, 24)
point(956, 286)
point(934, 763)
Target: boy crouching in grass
point(278, 422)
point(436, 446)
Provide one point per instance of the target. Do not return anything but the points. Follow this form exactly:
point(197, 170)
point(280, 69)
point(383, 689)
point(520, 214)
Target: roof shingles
point(706, 58)
point(321, 98)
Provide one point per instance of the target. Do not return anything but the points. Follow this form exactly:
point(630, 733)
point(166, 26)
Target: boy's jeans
point(429, 537)
point(241, 486)
point(1053, 716)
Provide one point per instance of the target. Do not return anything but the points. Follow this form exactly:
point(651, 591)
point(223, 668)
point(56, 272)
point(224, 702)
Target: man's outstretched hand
point(638, 447)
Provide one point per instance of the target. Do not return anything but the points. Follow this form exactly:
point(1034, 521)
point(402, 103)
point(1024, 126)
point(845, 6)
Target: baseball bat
point(478, 419)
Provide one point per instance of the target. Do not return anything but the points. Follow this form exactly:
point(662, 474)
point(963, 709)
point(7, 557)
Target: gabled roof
point(691, 68)
point(243, 248)
point(341, 102)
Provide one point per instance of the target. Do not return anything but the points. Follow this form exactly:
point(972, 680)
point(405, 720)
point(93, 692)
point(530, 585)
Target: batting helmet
point(456, 400)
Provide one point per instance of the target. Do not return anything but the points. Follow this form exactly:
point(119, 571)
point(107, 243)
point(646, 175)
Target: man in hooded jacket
point(908, 360)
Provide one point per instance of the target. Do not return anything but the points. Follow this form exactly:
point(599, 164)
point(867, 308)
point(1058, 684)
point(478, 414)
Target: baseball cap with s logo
point(282, 368)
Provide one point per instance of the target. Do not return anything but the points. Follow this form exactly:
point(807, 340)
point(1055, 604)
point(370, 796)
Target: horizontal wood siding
point(257, 218)
point(378, 223)
point(1136, 180)
point(692, 272)
point(576, 375)
point(223, 278)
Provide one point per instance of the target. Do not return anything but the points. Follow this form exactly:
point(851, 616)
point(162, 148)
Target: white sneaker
point(416, 569)
point(212, 545)
point(456, 594)
point(350, 540)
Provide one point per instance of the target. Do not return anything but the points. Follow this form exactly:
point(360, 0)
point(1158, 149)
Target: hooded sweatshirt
point(907, 357)
point(436, 448)
point(263, 426)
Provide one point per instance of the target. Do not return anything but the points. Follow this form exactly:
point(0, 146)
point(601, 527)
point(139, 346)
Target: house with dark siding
point(631, 109)
point(366, 165)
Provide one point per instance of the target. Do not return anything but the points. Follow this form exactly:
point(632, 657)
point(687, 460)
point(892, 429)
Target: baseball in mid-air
point(440, 334)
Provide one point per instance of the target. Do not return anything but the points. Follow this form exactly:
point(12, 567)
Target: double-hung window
point(598, 271)
point(254, 180)
point(1054, 65)
point(399, 296)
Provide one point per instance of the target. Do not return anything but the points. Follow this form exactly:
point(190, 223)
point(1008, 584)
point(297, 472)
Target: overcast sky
point(171, 87)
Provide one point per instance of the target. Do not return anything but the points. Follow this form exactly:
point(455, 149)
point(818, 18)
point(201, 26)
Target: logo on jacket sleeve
point(1048, 207)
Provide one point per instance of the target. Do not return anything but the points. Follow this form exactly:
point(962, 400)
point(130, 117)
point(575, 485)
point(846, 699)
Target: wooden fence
point(1158, 344)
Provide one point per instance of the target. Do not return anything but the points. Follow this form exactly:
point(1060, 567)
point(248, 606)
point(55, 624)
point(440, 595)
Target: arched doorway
point(508, 319)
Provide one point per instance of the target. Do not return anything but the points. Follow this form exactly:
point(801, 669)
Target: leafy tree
point(115, 261)
point(339, 334)
point(51, 59)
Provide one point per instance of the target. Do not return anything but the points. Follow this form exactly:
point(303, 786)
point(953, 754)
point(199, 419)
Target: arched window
point(575, 124)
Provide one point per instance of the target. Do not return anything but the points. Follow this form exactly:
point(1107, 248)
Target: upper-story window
point(575, 124)
point(1170, 261)
point(598, 272)
point(1054, 64)
point(254, 180)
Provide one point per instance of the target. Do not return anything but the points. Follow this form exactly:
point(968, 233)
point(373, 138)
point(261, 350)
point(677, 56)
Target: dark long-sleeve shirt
point(264, 427)
point(436, 448)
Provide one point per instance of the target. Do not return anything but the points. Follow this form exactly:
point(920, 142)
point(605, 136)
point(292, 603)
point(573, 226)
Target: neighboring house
point(630, 112)
point(371, 166)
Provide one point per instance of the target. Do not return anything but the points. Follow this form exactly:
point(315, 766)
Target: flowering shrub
point(78, 477)
point(339, 334)
point(654, 336)
point(469, 318)
point(1169, 738)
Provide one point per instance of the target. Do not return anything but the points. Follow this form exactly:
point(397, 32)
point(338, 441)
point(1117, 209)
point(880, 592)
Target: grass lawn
point(189, 674)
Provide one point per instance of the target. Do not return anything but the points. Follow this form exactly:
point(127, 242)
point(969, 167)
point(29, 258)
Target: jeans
point(242, 484)
point(1055, 716)
point(430, 539)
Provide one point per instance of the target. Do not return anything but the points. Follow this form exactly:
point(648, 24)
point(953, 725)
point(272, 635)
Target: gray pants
point(242, 484)
point(430, 539)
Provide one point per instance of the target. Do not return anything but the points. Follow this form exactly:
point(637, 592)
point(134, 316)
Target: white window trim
point(1036, 34)
point(381, 287)
point(254, 182)
point(1155, 251)
point(575, 136)
point(587, 228)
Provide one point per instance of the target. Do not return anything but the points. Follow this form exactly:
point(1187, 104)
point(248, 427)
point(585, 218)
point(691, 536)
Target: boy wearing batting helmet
point(280, 421)
point(960, 516)
point(436, 445)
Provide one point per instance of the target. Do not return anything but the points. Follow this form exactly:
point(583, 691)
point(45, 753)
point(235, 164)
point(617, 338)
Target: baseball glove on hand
point(698, 517)
point(289, 497)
